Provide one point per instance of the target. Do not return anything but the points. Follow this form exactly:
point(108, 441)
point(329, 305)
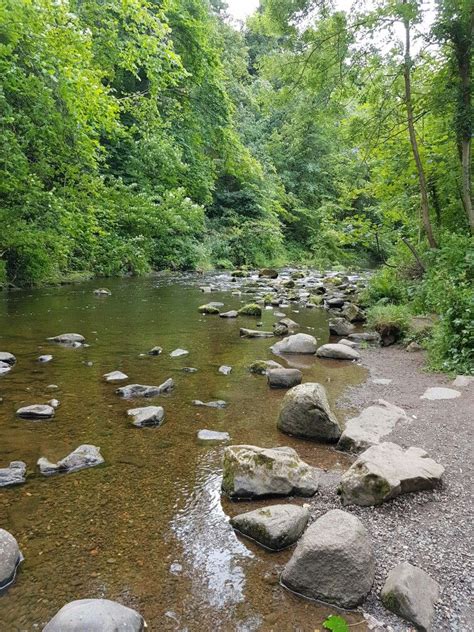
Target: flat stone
point(68, 339)
point(305, 412)
point(147, 416)
point(82, 457)
point(381, 381)
point(36, 411)
point(45, 358)
point(284, 378)
point(338, 352)
point(385, 471)
point(115, 376)
point(233, 313)
point(142, 390)
point(179, 353)
point(219, 403)
point(10, 558)
point(255, 333)
point(437, 392)
point(412, 594)
point(297, 343)
point(275, 527)
point(95, 615)
point(7, 358)
point(463, 381)
point(14, 474)
point(367, 336)
point(211, 436)
point(225, 370)
point(333, 562)
point(349, 343)
point(251, 471)
point(370, 426)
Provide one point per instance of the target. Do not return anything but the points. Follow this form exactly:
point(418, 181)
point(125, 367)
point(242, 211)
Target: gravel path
point(433, 530)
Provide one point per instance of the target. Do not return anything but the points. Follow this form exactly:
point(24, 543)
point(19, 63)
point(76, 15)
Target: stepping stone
point(147, 416)
point(36, 411)
point(179, 353)
point(82, 457)
point(338, 352)
point(385, 471)
point(333, 562)
point(45, 358)
point(412, 594)
point(10, 558)
point(348, 343)
point(142, 390)
point(225, 370)
point(250, 472)
point(297, 343)
point(7, 358)
point(68, 339)
point(284, 378)
point(210, 436)
point(463, 381)
point(368, 428)
point(233, 313)
point(95, 615)
point(115, 376)
point(437, 392)
point(219, 403)
point(255, 333)
point(14, 474)
point(102, 291)
point(275, 527)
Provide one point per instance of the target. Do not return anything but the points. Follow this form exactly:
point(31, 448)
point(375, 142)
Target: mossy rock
point(208, 309)
point(297, 274)
point(315, 299)
point(251, 309)
point(240, 274)
point(289, 284)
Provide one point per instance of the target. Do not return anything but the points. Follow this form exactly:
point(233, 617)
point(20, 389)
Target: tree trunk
point(463, 54)
point(425, 210)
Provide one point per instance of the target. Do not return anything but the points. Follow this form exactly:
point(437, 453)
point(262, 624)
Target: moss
point(228, 476)
point(315, 299)
point(208, 309)
point(251, 309)
point(260, 366)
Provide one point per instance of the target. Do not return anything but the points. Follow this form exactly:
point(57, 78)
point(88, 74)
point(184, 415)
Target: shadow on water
point(149, 528)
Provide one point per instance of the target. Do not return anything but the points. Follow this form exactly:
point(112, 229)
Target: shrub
point(390, 321)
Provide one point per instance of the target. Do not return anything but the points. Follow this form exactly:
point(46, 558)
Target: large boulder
point(338, 351)
point(36, 411)
point(14, 474)
point(95, 615)
point(142, 390)
point(10, 557)
point(147, 416)
point(297, 343)
point(250, 471)
point(385, 471)
point(411, 593)
point(82, 457)
point(368, 428)
point(7, 358)
point(305, 412)
point(284, 378)
point(275, 527)
point(340, 327)
point(333, 561)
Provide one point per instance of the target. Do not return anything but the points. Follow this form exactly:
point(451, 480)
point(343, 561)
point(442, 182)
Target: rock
point(289, 284)
point(368, 336)
point(178, 353)
point(348, 343)
point(338, 352)
point(297, 274)
point(156, 351)
point(385, 471)
point(233, 313)
point(335, 302)
point(254, 333)
point(189, 369)
point(250, 471)
point(368, 428)
point(263, 366)
point(333, 562)
point(102, 291)
point(436, 392)
point(211, 436)
point(36, 411)
point(463, 381)
point(82, 457)
point(381, 381)
point(340, 327)
point(252, 309)
point(411, 593)
point(305, 413)
point(115, 376)
point(208, 309)
point(280, 330)
point(297, 343)
point(5, 368)
point(7, 358)
point(10, 558)
point(141, 390)
point(284, 378)
point(52, 387)
point(276, 527)
point(147, 416)
point(413, 347)
point(54, 403)
point(95, 615)
point(14, 474)
point(352, 313)
point(269, 273)
point(218, 403)
point(290, 324)
point(225, 370)
point(68, 339)
point(45, 358)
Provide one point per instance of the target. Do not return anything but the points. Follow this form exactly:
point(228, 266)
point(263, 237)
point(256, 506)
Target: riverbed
point(149, 528)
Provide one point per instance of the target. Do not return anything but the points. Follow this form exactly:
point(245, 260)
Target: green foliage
point(384, 286)
point(389, 319)
point(336, 623)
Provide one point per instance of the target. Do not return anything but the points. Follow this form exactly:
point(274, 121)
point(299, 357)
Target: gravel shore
point(432, 530)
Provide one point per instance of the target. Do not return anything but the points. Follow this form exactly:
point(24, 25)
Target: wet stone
point(143, 390)
point(95, 615)
point(10, 557)
point(233, 313)
point(84, 456)
point(179, 353)
point(36, 412)
point(7, 358)
point(14, 474)
point(225, 370)
point(252, 333)
point(5, 368)
point(218, 403)
point(212, 436)
point(68, 339)
point(115, 376)
point(155, 351)
point(284, 378)
point(147, 416)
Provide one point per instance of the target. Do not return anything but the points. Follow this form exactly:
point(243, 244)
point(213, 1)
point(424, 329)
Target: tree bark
point(464, 59)
point(425, 209)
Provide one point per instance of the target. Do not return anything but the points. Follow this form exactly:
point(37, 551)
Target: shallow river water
point(149, 528)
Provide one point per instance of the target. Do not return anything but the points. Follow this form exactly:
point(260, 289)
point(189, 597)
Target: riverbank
point(431, 530)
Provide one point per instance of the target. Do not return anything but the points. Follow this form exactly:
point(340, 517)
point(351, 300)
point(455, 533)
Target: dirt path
point(433, 530)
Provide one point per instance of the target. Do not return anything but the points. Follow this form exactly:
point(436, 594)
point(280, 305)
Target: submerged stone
point(143, 390)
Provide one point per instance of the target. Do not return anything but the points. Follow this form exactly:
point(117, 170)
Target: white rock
point(14, 474)
point(178, 353)
point(463, 381)
point(147, 416)
point(10, 557)
point(338, 352)
point(212, 436)
point(82, 457)
point(95, 615)
point(36, 411)
point(115, 376)
point(297, 343)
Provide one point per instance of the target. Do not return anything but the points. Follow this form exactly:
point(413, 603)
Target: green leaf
point(336, 624)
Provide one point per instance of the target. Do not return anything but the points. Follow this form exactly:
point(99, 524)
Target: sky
point(240, 9)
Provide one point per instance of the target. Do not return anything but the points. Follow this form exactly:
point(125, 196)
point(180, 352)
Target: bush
point(390, 321)
point(386, 286)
